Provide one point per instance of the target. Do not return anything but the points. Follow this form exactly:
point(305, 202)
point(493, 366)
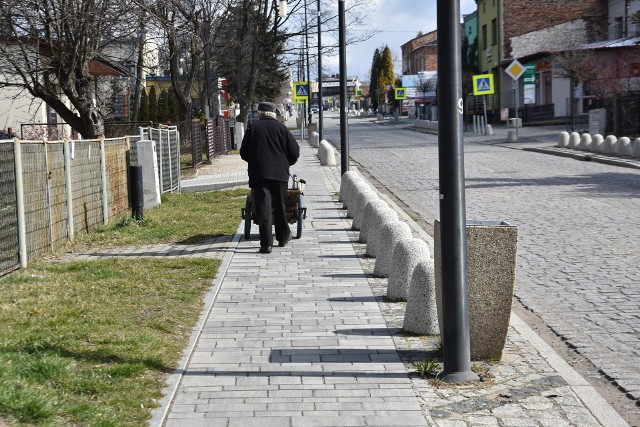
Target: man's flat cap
point(269, 107)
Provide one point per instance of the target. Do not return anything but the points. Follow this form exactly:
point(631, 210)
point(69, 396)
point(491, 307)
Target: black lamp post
point(455, 330)
point(344, 103)
point(320, 103)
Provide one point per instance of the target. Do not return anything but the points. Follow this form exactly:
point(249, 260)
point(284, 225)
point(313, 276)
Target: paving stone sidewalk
point(304, 337)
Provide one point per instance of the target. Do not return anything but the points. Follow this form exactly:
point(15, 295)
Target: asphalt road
point(579, 233)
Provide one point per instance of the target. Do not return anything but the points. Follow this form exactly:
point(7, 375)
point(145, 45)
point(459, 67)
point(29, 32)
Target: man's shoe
point(285, 241)
point(265, 249)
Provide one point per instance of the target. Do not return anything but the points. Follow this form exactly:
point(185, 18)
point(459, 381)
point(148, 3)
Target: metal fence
point(52, 190)
point(168, 155)
point(220, 136)
point(623, 114)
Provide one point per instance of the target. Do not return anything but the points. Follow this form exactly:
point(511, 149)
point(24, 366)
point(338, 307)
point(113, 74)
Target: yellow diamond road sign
point(515, 69)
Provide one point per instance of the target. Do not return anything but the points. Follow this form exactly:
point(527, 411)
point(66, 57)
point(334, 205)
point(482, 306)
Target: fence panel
point(117, 183)
point(57, 194)
point(37, 210)
point(9, 256)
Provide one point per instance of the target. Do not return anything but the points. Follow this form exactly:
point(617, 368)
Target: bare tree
point(576, 65)
point(50, 47)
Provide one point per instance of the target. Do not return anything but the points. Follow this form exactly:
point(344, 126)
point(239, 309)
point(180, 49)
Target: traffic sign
point(300, 90)
point(483, 84)
point(401, 93)
point(515, 69)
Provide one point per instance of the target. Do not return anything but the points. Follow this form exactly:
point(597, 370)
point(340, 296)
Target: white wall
point(18, 107)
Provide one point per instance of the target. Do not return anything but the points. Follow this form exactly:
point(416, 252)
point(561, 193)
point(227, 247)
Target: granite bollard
point(358, 187)
point(421, 314)
point(609, 146)
point(406, 255)
point(574, 140)
point(326, 154)
point(367, 218)
point(585, 142)
point(623, 147)
point(358, 209)
point(635, 150)
point(563, 140)
point(390, 234)
point(597, 143)
point(379, 218)
point(346, 186)
point(315, 139)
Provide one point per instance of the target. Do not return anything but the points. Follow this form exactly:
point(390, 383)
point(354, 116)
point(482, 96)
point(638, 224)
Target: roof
point(611, 44)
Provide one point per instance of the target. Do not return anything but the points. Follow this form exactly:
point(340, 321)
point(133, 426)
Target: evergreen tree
point(153, 105)
point(387, 75)
point(173, 107)
point(374, 92)
point(143, 113)
point(163, 107)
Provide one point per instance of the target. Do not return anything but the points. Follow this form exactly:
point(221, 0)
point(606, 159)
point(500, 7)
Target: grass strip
point(91, 343)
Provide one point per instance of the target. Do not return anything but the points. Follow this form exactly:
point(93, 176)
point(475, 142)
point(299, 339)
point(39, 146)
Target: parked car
point(314, 108)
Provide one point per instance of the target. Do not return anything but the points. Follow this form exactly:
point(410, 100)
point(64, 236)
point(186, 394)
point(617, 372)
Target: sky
point(398, 22)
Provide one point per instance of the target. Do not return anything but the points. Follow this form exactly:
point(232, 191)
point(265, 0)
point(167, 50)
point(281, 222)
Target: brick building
point(420, 53)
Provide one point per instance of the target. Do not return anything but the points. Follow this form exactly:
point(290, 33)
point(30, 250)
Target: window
point(494, 31)
point(618, 28)
point(484, 37)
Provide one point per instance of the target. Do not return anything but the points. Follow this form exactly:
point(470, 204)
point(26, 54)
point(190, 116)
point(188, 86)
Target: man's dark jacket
point(270, 149)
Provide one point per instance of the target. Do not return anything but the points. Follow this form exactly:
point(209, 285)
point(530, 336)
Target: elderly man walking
point(269, 149)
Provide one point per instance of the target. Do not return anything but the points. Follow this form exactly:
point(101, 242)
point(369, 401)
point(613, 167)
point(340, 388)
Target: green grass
point(186, 218)
point(91, 343)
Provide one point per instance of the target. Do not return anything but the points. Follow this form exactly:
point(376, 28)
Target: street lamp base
point(458, 377)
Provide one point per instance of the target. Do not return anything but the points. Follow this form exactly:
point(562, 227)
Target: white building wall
point(560, 93)
point(18, 107)
point(567, 34)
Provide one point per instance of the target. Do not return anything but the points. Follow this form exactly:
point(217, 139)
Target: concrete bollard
point(609, 146)
point(378, 220)
point(574, 140)
point(358, 210)
point(347, 186)
point(511, 136)
point(367, 218)
point(597, 144)
point(635, 150)
point(488, 130)
point(563, 141)
point(358, 186)
point(406, 255)
point(585, 142)
point(326, 154)
point(390, 234)
point(623, 147)
point(421, 314)
point(315, 139)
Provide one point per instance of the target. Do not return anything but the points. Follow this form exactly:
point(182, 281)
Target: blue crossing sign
point(300, 90)
point(483, 84)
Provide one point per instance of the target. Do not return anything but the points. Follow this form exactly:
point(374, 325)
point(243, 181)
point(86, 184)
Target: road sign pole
point(517, 81)
point(484, 106)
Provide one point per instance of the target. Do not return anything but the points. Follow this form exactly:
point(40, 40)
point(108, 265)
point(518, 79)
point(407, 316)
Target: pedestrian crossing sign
point(401, 93)
point(483, 84)
point(300, 90)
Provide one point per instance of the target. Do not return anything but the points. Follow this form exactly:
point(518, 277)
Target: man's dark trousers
point(270, 194)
